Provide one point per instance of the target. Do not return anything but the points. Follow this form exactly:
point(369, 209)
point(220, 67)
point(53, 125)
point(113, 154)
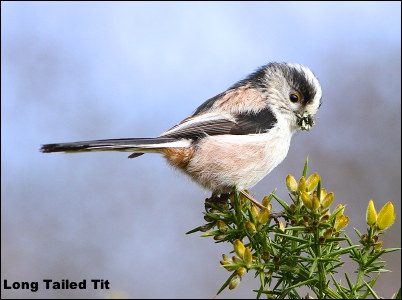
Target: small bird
point(235, 138)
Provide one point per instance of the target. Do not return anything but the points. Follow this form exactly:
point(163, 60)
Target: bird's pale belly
point(221, 162)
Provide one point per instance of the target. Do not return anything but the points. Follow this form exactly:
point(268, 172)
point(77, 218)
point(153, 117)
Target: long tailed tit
point(235, 138)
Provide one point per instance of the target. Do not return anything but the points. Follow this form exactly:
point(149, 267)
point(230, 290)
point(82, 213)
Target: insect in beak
point(305, 121)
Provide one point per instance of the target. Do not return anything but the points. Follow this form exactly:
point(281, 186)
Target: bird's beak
point(305, 121)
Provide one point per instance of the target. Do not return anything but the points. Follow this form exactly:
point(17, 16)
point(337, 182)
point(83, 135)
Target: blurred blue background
point(92, 70)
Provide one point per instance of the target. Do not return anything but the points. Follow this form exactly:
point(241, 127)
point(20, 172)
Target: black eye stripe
point(298, 80)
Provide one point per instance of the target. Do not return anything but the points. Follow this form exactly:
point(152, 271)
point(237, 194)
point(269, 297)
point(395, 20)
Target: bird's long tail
point(139, 145)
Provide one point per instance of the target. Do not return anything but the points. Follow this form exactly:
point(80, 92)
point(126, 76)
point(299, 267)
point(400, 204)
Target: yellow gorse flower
point(291, 183)
point(371, 214)
point(241, 271)
point(266, 200)
point(254, 211)
point(341, 222)
point(250, 227)
point(306, 200)
point(386, 216)
point(302, 184)
point(383, 219)
point(234, 282)
point(248, 257)
point(263, 216)
point(312, 181)
point(315, 202)
point(340, 213)
point(221, 226)
point(328, 199)
point(239, 248)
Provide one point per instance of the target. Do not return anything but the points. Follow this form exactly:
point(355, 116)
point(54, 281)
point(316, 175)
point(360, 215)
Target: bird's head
point(291, 90)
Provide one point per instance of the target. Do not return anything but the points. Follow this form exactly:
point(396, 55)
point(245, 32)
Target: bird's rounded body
point(220, 162)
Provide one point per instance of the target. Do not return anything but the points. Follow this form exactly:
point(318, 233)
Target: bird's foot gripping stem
point(220, 200)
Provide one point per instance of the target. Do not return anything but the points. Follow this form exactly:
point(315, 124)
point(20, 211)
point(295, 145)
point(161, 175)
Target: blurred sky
point(89, 70)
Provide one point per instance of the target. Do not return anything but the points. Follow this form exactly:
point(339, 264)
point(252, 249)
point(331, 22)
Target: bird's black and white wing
point(235, 111)
point(209, 124)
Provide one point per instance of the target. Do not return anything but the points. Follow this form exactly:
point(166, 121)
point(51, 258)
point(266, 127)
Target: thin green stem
point(361, 272)
point(321, 268)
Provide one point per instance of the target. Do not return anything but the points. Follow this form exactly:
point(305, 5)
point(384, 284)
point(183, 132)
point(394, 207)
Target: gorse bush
point(301, 246)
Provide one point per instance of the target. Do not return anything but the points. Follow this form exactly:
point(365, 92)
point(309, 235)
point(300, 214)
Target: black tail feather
point(111, 144)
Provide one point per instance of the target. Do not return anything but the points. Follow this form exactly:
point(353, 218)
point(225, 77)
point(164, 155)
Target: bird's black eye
point(295, 97)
